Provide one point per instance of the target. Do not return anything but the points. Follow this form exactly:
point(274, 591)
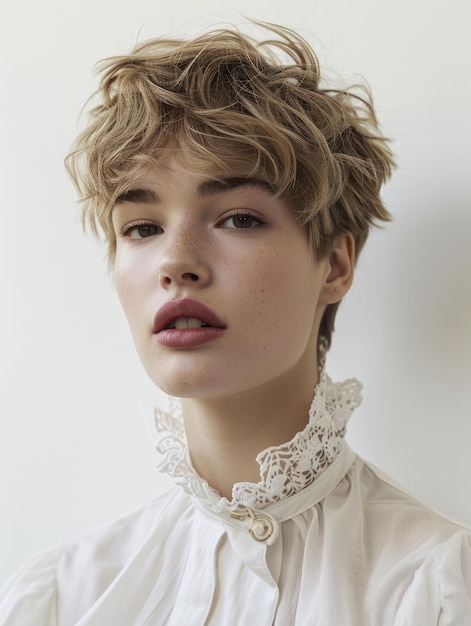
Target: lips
point(186, 323)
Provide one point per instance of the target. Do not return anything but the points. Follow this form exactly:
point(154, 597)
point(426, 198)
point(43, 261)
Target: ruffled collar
point(284, 470)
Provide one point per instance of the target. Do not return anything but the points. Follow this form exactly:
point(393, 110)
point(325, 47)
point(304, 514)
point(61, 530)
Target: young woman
point(235, 193)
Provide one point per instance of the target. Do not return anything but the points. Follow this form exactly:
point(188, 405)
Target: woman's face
point(218, 284)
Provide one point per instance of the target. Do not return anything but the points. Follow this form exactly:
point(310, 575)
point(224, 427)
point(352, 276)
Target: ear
point(340, 269)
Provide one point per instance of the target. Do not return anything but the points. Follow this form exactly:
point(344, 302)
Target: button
point(262, 528)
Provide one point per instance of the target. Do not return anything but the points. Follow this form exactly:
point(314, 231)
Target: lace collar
point(284, 470)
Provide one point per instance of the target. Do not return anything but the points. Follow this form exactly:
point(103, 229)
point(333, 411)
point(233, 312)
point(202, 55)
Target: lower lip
point(188, 337)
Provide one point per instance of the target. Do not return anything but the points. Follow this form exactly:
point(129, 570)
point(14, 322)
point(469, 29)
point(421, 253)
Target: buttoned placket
point(255, 539)
point(248, 583)
point(198, 586)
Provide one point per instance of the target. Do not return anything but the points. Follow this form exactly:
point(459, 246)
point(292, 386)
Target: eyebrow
point(137, 196)
point(217, 185)
point(207, 187)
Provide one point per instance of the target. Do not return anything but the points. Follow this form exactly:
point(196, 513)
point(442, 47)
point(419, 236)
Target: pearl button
point(261, 528)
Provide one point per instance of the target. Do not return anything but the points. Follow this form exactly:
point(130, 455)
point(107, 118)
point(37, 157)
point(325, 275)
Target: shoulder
point(52, 588)
point(388, 502)
point(29, 596)
point(420, 559)
point(123, 535)
point(439, 590)
point(108, 550)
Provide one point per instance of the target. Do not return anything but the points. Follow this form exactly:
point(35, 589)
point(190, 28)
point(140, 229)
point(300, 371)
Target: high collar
point(284, 470)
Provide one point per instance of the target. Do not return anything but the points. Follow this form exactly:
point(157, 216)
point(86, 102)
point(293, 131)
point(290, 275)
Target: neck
point(225, 434)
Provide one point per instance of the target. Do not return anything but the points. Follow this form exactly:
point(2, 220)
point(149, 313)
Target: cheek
point(280, 289)
point(123, 285)
point(130, 285)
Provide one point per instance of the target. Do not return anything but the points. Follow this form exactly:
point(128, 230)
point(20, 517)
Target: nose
point(184, 261)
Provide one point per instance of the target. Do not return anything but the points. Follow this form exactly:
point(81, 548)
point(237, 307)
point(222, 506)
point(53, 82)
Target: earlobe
point(341, 266)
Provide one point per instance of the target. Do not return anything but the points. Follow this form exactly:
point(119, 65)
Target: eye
point(140, 231)
point(241, 220)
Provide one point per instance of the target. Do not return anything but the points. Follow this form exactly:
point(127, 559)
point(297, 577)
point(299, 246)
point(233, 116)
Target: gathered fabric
point(323, 539)
point(284, 470)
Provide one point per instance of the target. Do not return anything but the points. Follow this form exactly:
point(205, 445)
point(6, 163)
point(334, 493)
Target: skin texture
point(252, 386)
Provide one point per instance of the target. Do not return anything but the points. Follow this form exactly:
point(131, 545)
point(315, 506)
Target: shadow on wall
point(428, 417)
point(433, 264)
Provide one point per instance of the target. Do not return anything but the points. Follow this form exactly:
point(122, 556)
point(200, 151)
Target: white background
point(76, 446)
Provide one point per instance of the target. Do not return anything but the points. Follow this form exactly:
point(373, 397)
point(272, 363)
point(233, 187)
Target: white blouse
point(323, 539)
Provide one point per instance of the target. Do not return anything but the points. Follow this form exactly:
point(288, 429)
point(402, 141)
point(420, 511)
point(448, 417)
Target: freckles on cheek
point(265, 266)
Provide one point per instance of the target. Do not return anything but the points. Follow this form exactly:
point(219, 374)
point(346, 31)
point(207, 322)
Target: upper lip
point(175, 309)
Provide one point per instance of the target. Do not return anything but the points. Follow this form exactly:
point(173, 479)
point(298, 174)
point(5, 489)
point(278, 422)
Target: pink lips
point(186, 337)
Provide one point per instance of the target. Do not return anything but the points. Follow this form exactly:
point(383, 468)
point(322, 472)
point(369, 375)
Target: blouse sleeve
point(440, 593)
point(29, 596)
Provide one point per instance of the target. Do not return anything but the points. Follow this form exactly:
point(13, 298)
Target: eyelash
point(126, 230)
point(246, 213)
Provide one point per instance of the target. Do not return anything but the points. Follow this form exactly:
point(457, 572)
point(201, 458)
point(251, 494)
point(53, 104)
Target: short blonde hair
point(224, 103)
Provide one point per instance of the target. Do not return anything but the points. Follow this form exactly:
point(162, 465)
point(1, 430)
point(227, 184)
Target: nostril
point(190, 276)
point(168, 276)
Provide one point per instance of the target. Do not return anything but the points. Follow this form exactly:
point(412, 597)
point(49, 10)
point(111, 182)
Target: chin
point(199, 387)
point(185, 386)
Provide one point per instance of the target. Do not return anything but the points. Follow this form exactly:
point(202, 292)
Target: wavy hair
point(223, 103)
